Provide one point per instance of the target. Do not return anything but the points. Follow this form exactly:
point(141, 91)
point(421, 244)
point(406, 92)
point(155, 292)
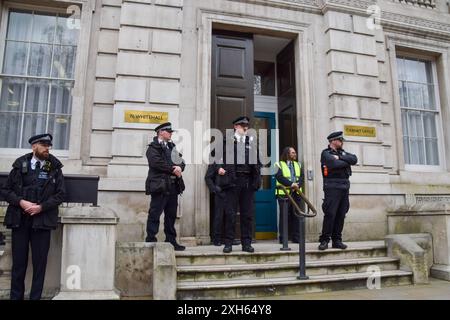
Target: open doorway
point(254, 75)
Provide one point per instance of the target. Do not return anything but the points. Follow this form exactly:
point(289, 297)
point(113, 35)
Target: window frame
point(437, 112)
point(424, 50)
point(80, 70)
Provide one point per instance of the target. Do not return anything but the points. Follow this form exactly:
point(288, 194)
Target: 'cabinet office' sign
point(360, 131)
point(135, 116)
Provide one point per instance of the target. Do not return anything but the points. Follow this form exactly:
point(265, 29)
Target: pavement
point(435, 290)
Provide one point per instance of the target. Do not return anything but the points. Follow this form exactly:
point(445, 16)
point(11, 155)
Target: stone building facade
point(380, 70)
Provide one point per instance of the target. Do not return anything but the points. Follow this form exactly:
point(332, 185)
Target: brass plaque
point(360, 131)
point(134, 116)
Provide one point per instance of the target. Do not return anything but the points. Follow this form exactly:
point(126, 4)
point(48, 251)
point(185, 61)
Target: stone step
point(215, 256)
point(237, 289)
point(282, 269)
point(5, 283)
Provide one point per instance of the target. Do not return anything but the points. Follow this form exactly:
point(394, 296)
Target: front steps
point(206, 273)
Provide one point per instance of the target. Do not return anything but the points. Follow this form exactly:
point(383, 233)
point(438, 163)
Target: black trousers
point(219, 209)
point(240, 197)
point(162, 203)
point(335, 206)
point(21, 239)
point(293, 221)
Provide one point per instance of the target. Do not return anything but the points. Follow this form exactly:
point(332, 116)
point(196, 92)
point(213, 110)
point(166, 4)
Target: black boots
point(323, 245)
point(339, 245)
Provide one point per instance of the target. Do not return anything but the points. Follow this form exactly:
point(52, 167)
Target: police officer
point(164, 183)
point(34, 190)
point(336, 171)
point(289, 174)
point(242, 164)
point(219, 185)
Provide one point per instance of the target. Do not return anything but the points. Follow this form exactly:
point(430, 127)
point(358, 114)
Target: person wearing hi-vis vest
point(289, 174)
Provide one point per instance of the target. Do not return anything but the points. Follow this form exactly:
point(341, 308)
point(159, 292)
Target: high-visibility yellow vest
point(287, 174)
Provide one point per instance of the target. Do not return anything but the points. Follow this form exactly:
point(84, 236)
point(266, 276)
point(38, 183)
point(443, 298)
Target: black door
point(232, 78)
point(232, 81)
point(287, 109)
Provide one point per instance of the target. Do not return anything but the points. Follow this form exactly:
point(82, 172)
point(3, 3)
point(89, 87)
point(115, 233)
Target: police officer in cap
point(34, 190)
point(336, 170)
point(164, 183)
point(244, 166)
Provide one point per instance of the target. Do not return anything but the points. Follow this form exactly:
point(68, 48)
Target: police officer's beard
point(41, 155)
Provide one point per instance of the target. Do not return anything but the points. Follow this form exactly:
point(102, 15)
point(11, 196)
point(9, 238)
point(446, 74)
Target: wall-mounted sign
point(137, 116)
point(360, 131)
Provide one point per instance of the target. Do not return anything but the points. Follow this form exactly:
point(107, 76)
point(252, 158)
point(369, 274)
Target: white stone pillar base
point(440, 271)
point(87, 295)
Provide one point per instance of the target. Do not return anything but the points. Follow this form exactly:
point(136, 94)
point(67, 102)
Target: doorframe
point(304, 61)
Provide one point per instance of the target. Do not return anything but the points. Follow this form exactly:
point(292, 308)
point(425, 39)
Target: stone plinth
point(146, 270)
point(88, 254)
point(432, 218)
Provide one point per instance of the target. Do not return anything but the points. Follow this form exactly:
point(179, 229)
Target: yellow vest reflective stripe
point(287, 174)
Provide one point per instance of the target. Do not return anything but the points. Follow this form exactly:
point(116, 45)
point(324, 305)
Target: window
point(37, 77)
point(419, 111)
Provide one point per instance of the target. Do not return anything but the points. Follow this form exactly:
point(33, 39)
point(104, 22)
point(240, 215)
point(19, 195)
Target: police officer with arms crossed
point(247, 172)
point(164, 183)
point(336, 171)
point(289, 174)
point(34, 190)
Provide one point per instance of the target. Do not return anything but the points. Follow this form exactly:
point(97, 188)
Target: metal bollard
point(284, 212)
point(302, 250)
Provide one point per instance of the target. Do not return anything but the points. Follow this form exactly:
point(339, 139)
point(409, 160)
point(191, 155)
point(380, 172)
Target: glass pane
point(15, 58)
point(10, 129)
point(421, 75)
point(64, 62)
point(40, 60)
point(405, 123)
point(429, 72)
point(66, 31)
point(43, 28)
point(429, 123)
point(401, 69)
point(406, 150)
point(19, 25)
point(411, 70)
point(61, 97)
point(428, 97)
point(37, 96)
point(11, 98)
point(59, 126)
point(415, 124)
point(432, 152)
point(266, 75)
point(415, 96)
point(33, 124)
point(403, 94)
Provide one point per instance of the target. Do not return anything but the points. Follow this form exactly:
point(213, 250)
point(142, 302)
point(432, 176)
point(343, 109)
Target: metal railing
point(301, 216)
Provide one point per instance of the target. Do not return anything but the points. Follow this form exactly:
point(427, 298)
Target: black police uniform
point(43, 185)
point(164, 188)
point(2, 239)
point(220, 186)
point(247, 181)
point(336, 185)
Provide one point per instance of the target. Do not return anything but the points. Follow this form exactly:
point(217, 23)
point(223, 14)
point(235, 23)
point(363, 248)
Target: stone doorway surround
point(302, 33)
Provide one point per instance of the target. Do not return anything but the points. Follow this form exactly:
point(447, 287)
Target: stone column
point(88, 254)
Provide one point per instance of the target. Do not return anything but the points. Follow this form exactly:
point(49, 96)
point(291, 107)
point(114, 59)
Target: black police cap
point(338, 135)
point(45, 138)
point(243, 120)
point(165, 126)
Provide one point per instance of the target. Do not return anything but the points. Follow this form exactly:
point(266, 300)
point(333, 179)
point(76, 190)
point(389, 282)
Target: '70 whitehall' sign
point(146, 117)
point(360, 131)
